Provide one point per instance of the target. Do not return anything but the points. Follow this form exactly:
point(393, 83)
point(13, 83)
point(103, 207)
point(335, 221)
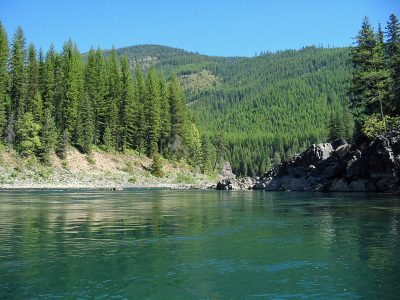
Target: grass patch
point(90, 160)
point(129, 168)
point(45, 173)
point(185, 178)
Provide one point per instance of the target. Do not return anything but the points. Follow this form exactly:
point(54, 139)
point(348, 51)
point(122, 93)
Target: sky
point(223, 28)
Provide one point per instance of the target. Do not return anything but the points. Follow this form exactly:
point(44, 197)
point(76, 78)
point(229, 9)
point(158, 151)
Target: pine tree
point(205, 154)
point(48, 137)
point(165, 129)
point(9, 131)
point(380, 74)
point(37, 107)
point(17, 74)
point(348, 126)
point(72, 83)
point(393, 57)
point(28, 135)
point(33, 88)
point(126, 109)
point(3, 77)
point(132, 125)
point(95, 89)
point(113, 97)
point(62, 144)
point(220, 150)
point(156, 166)
point(152, 112)
point(85, 128)
point(370, 76)
point(41, 59)
point(336, 129)
point(48, 80)
point(139, 122)
point(108, 139)
point(178, 109)
point(192, 144)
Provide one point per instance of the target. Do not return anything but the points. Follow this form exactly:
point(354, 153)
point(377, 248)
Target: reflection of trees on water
point(136, 232)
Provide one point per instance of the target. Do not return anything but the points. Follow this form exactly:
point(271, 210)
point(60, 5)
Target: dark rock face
point(338, 166)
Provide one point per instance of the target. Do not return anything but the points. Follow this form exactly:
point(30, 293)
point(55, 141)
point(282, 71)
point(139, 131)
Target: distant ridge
point(269, 107)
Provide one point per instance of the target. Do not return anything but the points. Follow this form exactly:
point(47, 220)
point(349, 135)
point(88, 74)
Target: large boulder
point(245, 183)
point(227, 172)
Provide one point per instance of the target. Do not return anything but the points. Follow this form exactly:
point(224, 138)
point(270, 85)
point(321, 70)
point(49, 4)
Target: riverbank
point(100, 170)
point(372, 166)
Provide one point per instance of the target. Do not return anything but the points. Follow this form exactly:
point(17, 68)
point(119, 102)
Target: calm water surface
point(163, 244)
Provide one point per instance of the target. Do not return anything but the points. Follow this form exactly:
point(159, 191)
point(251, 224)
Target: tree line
point(53, 100)
point(374, 83)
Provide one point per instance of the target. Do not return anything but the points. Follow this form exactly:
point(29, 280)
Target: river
point(198, 244)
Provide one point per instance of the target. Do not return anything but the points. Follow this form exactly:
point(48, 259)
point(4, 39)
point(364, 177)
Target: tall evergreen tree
point(370, 77)
point(17, 74)
point(95, 89)
point(139, 121)
point(62, 144)
point(10, 130)
point(336, 128)
point(165, 129)
point(3, 77)
point(220, 150)
point(37, 107)
point(380, 74)
point(85, 125)
point(393, 55)
point(72, 83)
point(113, 97)
point(28, 135)
point(41, 59)
point(108, 139)
point(177, 112)
point(126, 108)
point(48, 137)
point(33, 88)
point(152, 112)
point(205, 154)
point(48, 79)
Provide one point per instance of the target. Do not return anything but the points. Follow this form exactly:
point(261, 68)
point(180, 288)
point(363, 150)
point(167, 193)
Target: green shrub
point(64, 164)
point(373, 126)
point(185, 178)
point(129, 167)
point(90, 159)
point(156, 166)
point(45, 173)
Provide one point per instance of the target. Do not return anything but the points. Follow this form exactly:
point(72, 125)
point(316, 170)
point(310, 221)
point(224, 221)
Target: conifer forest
point(167, 102)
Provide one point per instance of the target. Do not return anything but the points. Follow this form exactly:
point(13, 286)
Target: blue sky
point(227, 28)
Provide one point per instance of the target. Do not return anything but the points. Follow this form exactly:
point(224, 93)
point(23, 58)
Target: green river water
point(195, 244)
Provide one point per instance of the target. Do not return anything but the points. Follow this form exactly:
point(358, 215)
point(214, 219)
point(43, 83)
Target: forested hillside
point(268, 107)
point(53, 100)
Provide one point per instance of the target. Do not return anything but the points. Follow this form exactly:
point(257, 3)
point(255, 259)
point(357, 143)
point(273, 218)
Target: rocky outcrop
point(230, 182)
point(340, 167)
point(246, 183)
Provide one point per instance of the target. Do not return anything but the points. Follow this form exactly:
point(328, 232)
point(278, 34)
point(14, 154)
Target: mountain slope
point(268, 107)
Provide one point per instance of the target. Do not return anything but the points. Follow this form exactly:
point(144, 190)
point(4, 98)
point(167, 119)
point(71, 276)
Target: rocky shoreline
point(333, 167)
point(108, 187)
